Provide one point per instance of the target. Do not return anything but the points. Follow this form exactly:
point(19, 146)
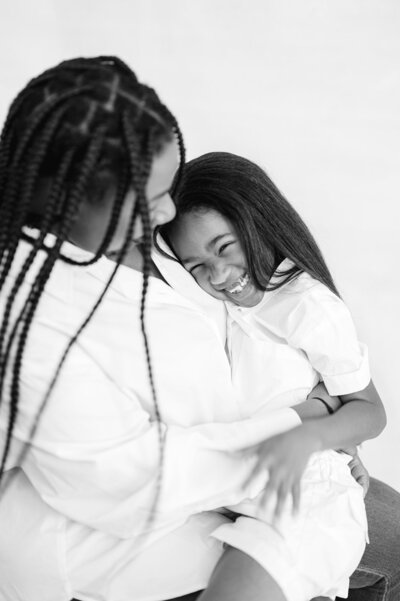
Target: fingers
point(262, 466)
point(296, 497)
point(279, 490)
point(288, 490)
point(359, 473)
point(363, 479)
point(364, 482)
point(269, 491)
point(282, 494)
point(350, 451)
point(258, 469)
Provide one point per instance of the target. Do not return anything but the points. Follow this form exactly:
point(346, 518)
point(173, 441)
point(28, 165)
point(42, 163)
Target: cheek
point(89, 228)
point(123, 223)
point(202, 281)
point(237, 256)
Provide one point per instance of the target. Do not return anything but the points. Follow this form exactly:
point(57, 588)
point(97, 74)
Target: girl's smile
point(210, 250)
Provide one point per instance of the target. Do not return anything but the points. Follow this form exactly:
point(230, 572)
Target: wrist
point(324, 402)
point(310, 409)
point(313, 432)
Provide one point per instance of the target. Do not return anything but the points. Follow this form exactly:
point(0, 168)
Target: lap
point(180, 562)
point(378, 575)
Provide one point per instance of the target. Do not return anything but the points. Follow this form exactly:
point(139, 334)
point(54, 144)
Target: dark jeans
point(378, 575)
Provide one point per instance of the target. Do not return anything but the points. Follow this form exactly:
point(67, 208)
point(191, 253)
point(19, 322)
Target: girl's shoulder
point(303, 303)
point(302, 285)
point(297, 290)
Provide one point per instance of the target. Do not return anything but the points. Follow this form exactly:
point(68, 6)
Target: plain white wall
point(310, 89)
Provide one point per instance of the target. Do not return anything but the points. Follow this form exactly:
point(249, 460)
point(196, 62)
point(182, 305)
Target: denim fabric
point(378, 575)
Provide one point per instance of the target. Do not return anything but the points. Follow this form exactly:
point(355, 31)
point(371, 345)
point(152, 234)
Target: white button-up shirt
point(95, 455)
point(298, 334)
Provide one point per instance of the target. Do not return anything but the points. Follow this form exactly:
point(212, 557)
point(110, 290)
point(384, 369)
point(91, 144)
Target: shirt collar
point(182, 289)
point(184, 283)
point(68, 249)
point(276, 277)
point(127, 282)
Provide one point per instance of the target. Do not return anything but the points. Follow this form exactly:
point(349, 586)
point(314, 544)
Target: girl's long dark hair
point(84, 125)
point(268, 227)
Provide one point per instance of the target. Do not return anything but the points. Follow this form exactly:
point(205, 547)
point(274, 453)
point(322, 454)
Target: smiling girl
point(288, 328)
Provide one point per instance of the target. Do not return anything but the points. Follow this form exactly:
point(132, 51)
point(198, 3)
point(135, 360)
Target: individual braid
point(47, 219)
point(28, 313)
point(73, 340)
point(76, 193)
point(181, 145)
point(5, 138)
point(36, 156)
point(42, 277)
point(41, 114)
point(178, 176)
point(141, 201)
point(37, 244)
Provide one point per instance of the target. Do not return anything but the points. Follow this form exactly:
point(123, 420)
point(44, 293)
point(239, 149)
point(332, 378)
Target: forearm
point(205, 466)
point(353, 423)
point(317, 404)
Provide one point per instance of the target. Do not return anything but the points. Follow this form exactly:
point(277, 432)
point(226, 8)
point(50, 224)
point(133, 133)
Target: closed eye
point(195, 267)
point(224, 246)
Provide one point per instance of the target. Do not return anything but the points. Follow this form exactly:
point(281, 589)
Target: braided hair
point(81, 125)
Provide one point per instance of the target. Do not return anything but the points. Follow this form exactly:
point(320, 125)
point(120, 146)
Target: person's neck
point(134, 260)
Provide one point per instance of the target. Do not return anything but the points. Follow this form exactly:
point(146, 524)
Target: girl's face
point(89, 230)
point(210, 250)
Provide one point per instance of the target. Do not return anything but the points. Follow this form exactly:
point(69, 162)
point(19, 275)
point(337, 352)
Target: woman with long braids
point(119, 436)
point(119, 426)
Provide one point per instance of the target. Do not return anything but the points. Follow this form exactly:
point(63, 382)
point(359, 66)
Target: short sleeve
point(321, 325)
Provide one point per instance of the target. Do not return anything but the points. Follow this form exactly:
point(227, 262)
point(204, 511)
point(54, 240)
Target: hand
point(285, 456)
point(358, 469)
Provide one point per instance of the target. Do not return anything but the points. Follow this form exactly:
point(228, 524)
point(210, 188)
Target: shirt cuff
point(350, 382)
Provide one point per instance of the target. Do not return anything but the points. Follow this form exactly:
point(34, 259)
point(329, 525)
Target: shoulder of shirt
point(301, 296)
point(302, 286)
point(64, 277)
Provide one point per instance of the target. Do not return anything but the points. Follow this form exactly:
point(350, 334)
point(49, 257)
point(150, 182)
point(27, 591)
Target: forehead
point(197, 229)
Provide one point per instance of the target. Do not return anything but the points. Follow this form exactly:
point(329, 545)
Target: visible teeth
point(239, 285)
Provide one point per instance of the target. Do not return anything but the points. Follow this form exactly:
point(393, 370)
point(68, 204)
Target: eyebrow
point(209, 245)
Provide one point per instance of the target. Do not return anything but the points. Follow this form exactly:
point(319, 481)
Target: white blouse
point(95, 455)
point(298, 334)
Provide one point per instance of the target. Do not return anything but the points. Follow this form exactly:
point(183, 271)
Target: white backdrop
point(310, 89)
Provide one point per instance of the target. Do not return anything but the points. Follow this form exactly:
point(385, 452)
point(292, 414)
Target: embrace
point(182, 387)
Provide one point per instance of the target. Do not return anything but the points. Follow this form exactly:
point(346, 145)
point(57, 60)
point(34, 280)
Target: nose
point(164, 212)
point(219, 274)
